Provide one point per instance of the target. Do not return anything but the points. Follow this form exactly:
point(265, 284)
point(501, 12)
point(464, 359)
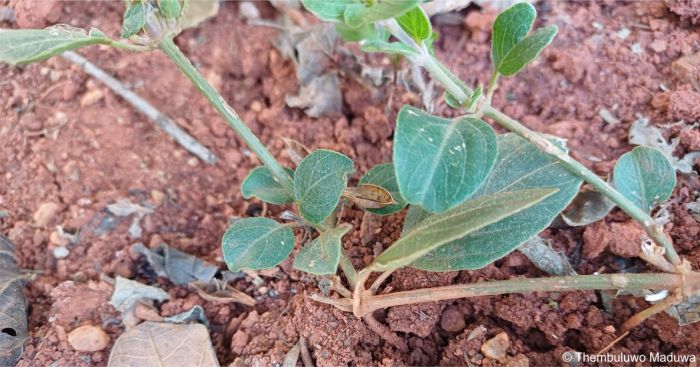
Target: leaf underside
point(436, 230)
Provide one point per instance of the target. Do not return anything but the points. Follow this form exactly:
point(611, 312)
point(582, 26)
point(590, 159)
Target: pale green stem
point(348, 269)
point(183, 63)
point(550, 284)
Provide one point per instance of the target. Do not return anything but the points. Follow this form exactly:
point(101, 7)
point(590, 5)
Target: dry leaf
point(587, 207)
point(545, 258)
point(296, 150)
point(13, 306)
point(291, 358)
point(368, 196)
point(179, 267)
point(164, 345)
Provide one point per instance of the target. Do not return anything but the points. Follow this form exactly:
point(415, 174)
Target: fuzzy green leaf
point(644, 176)
point(358, 14)
point(527, 50)
point(256, 243)
point(439, 229)
point(318, 183)
point(440, 163)
point(328, 10)
point(322, 255)
point(510, 27)
point(263, 185)
point(520, 165)
point(134, 19)
point(416, 23)
point(350, 34)
point(169, 8)
point(24, 46)
point(397, 48)
point(384, 175)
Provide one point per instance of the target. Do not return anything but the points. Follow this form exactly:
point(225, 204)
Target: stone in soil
point(88, 338)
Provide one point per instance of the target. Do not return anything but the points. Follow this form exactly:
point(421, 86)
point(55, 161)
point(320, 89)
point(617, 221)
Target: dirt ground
point(69, 147)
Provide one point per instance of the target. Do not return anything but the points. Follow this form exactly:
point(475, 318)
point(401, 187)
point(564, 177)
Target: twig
point(163, 121)
point(305, 355)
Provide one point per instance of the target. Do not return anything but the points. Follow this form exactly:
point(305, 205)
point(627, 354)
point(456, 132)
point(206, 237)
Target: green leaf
point(416, 23)
point(318, 183)
point(384, 175)
point(478, 92)
point(322, 255)
point(358, 14)
point(328, 10)
point(527, 50)
point(169, 8)
point(24, 46)
point(398, 48)
point(645, 177)
point(256, 243)
point(263, 185)
point(350, 34)
point(134, 19)
point(440, 229)
point(510, 27)
point(520, 165)
point(440, 163)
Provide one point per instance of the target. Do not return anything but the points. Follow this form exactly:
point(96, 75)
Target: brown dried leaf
point(163, 345)
point(296, 150)
point(13, 306)
point(368, 196)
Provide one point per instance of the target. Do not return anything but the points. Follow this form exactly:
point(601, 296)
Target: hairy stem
point(654, 230)
point(348, 269)
point(552, 284)
point(183, 63)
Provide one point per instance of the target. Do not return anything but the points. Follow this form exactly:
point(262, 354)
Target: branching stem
point(654, 230)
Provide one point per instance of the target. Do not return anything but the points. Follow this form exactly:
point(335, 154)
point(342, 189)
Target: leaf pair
point(319, 181)
point(511, 47)
point(519, 166)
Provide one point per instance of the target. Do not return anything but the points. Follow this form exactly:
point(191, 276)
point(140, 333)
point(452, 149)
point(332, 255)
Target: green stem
point(183, 63)
point(348, 269)
point(654, 230)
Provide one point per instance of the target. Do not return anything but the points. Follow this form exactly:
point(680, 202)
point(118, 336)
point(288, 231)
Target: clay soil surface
point(69, 147)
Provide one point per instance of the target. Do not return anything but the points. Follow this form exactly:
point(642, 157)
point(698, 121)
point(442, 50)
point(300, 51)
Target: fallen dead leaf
point(164, 345)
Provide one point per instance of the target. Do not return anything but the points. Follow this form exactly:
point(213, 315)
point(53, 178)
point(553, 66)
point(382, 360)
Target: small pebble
point(61, 252)
point(88, 338)
point(496, 347)
point(45, 214)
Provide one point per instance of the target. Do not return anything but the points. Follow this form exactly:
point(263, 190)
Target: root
point(386, 334)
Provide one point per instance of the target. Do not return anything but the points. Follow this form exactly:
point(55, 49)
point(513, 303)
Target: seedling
point(473, 196)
